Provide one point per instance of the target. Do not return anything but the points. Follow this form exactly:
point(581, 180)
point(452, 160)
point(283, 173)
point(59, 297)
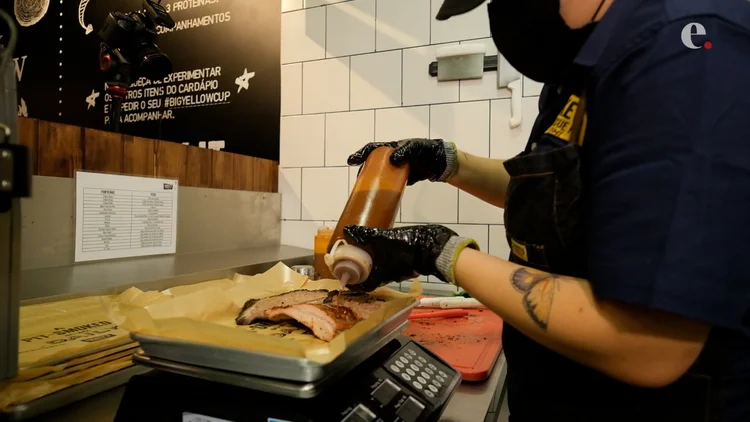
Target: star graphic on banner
point(91, 99)
point(243, 82)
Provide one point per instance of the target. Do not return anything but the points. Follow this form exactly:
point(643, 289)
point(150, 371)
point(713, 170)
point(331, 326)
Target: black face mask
point(535, 39)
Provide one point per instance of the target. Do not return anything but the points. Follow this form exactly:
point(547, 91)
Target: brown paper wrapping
point(205, 314)
point(71, 342)
point(54, 332)
point(15, 393)
point(51, 371)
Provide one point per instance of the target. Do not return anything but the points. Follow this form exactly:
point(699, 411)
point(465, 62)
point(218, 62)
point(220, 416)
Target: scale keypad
point(420, 371)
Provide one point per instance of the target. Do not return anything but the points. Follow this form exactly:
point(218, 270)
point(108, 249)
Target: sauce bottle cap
point(348, 263)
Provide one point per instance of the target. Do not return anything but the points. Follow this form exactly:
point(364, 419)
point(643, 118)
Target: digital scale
point(399, 382)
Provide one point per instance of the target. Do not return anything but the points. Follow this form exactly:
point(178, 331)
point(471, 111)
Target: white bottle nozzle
point(344, 280)
point(348, 263)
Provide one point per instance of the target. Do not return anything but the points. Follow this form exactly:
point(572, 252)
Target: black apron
point(545, 220)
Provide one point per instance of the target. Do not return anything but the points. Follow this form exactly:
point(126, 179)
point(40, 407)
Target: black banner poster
point(223, 93)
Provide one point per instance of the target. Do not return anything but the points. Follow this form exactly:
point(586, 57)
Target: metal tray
point(271, 365)
point(71, 394)
point(295, 389)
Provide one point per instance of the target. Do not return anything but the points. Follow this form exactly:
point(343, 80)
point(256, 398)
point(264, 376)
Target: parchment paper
point(39, 372)
point(205, 314)
point(54, 332)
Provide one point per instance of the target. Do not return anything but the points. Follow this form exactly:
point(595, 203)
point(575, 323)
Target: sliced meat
point(325, 321)
point(362, 304)
point(256, 308)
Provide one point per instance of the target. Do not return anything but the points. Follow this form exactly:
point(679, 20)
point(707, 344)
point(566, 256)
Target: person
point(625, 295)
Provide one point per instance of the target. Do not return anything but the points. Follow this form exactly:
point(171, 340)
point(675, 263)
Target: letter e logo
point(689, 31)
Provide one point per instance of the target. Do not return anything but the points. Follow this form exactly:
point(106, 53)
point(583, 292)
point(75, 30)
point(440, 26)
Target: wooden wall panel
point(28, 134)
point(60, 149)
point(103, 151)
point(139, 156)
point(199, 167)
point(171, 160)
point(255, 174)
point(222, 168)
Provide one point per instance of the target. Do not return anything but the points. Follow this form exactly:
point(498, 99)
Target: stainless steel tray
point(296, 389)
point(71, 394)
point(270, 365)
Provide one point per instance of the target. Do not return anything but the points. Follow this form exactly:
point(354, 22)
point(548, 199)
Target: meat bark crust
point(256, 308)
point(325, 321)
point(362, 304)
point(324, 312)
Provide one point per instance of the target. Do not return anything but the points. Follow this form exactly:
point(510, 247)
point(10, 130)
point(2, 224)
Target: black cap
point(452, 8)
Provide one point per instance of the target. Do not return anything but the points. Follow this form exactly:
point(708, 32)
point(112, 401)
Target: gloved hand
point(401, 253)
point(428, 159)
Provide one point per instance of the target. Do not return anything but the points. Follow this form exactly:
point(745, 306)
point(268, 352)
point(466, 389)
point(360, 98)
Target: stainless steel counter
point(470, 403)
point(153, 273)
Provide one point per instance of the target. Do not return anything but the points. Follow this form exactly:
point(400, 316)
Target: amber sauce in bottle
point(376, 196)
point(322, 239)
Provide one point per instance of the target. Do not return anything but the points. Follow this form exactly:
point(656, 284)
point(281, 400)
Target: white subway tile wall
point(302, 141)
point(430, 203)
point(466, 124)
point(325, 86)
point(376, 80)
point(290, 188)
point(291, 89)
point(354, 71)
point(485, 88)
point(350, 28)
point(303, 35)
point(417, 84)
point(402, 123)
point(506, 142)
point(472, 210)
point(402, 24)
point(324, 192)
point(353, 173)
point(346, 133)
point(475, 24)
point(498, 242)
point(290, 5)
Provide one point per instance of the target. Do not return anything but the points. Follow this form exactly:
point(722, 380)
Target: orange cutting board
point(470, 344)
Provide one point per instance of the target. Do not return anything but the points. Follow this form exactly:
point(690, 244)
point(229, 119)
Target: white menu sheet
point(124, 216)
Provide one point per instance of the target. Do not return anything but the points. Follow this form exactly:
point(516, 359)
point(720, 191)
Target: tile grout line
point(430, 20)
point(300, 193)
point(302, 87)
point(375, 29)
point(489, 148)
point(325, 37)
point(403, 64)
point(376, 52)
point(403, 106)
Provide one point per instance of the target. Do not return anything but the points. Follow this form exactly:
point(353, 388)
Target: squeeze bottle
point(374, 202)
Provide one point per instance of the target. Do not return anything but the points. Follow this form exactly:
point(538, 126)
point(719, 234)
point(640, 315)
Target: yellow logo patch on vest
point(563, 126)
point(519, 250)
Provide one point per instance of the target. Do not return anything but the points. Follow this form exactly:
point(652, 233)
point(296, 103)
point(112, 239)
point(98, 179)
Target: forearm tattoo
point(538, 290)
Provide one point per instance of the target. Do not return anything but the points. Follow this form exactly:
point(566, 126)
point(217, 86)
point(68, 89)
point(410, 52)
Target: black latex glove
point(399, 254)
point(426, 157)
